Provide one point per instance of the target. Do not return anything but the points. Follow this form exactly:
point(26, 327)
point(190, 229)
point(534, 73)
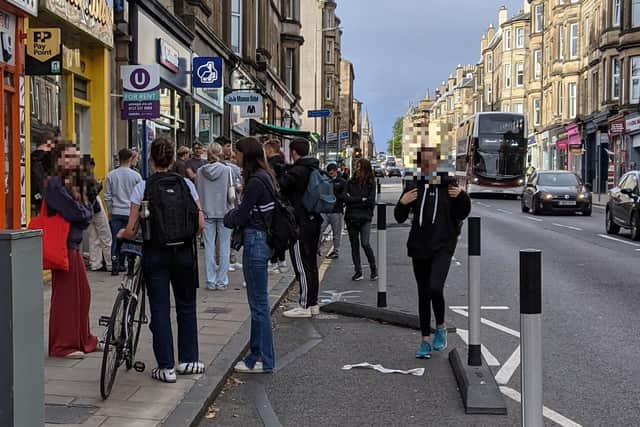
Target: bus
point(491, 151)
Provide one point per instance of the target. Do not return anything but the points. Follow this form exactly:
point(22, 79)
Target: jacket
point(293, 185)
point(73, 211)
point(360, 201)
point(276, 163)
point(437, 218)
point(212, 182)
point(40, 170)
point(256, 209)
point(339, 187)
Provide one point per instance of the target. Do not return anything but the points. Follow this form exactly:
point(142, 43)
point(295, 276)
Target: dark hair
point(162, 152)
point(125, 155)
point(332, 167)
point(222, 140)
point(196, 143)
point(45, 138)
point(364, 173)
point(253, 159)
point(300, 146)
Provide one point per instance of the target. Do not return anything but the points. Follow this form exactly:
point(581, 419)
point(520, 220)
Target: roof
point(519, 17)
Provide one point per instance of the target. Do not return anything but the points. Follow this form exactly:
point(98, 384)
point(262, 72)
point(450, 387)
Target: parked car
point(556, 191)
point(378, 172)
point(394, 171)
point(623, 206)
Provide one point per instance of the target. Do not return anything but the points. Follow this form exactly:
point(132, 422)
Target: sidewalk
point(72, 387)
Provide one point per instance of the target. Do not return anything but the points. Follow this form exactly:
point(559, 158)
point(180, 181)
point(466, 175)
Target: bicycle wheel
point(113, 346)
point(142, 319)
point(136, 309)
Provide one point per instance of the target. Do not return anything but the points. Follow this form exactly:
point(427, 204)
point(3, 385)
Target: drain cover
point(216, 310)
point(68, 414)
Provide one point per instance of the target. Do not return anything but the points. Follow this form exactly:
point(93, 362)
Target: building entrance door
point(83, 129)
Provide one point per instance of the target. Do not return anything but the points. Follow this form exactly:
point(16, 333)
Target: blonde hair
point(214, 153)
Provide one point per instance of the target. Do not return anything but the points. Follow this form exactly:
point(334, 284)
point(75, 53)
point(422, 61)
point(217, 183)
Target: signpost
point(323, 114)
point(141, 93)
point(249, 102)
point(206, 72)
point(314, 114)
point(44, 52)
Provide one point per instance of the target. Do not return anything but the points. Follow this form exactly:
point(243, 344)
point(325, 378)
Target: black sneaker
point(357, 277)
point(332, 255)
point(374, 275)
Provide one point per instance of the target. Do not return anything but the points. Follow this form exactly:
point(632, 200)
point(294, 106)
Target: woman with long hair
point(360, 199)
point(69, 334)
point(213, 181)
point(253, 216)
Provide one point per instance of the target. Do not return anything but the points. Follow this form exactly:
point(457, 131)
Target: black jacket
point(256, 209)
point(360, 201)
point(293, 184)
point(40, 170)
point(276, 163)
point(437, 218)
point(339, 187)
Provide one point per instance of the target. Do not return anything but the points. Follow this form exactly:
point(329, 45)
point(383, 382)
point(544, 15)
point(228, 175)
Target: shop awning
point(262, 128)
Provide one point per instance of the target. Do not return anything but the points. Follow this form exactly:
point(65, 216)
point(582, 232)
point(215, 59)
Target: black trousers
point(278, 257)
point(431, 273)
point(359, 234)
point(304, 257)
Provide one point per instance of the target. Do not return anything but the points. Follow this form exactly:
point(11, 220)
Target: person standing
point(181, 161)
point(254, 216)
point(304, 253)
point(98, 232)
point(196, 161)
point(360, 199)
point(438, 206)
point(168, 263)
point(229, 161)
point(213, 181)
point(335, 218)
point(117, 195)
point(40, 170)
point(69, 331)
point(275, 158)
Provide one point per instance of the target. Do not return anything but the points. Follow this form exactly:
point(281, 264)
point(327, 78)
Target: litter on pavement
point(417, 371)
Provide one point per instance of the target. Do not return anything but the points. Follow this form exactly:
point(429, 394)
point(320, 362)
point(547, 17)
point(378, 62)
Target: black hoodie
point(40, 171)
point(293, 184)
point(437, 218)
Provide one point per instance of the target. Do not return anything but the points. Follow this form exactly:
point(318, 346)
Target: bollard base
point(382, 299)
point(478, 388)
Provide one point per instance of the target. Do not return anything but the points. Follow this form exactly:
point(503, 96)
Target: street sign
point(251, 111)
point(206, 72)
point(243, 98)
point(318, 113)
point(44, 52)
point(332, 136)
point(141, 93)
point(344, 134)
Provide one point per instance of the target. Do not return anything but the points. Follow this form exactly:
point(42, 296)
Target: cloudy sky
point(402, 48)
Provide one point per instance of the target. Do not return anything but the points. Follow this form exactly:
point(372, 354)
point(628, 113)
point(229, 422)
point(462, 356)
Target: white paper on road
point(417, 371)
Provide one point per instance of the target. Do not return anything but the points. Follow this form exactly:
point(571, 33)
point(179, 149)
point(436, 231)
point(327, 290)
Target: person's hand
point(409, 197)
point(122, 233)
point(454, 191)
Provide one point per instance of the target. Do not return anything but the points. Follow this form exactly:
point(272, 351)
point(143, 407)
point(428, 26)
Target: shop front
point(208, 103)
point(594, 130)
point(632, 127)
point(574, 148)
point(617, 150)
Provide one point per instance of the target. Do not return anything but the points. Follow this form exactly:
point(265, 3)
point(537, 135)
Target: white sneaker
point(75, 355)
point(242, 367)
point(315, 309)
point(231, 268)
point(298, 313)
point(283, 266)
point(237, 266)
point(164, 375)
point(274, 269)
point(193, 368)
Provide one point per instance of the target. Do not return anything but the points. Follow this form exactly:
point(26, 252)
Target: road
point(590, 335)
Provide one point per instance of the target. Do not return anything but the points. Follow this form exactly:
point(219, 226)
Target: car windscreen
point(557, 180)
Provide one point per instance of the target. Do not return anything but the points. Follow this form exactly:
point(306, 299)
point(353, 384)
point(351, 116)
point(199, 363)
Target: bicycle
point(123, 327)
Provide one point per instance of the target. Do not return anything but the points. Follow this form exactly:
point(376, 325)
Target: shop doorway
point(83, 129)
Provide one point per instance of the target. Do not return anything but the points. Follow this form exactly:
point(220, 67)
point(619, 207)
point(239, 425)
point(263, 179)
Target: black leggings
point(431, 273)
point(359, 234)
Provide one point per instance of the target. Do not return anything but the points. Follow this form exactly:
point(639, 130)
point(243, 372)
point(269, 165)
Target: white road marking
point(570, 227)
point(505, 211)
point(604, 236)
point(483, 204)
point(488, 357)
point(506, 372)
point(598, 207)
point(637, 250)
point(488, 322)
point(484, 307)
point(530, 218)
point(548, 413)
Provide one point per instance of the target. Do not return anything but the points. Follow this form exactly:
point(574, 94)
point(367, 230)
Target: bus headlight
point(520, 181)
point(476, 180)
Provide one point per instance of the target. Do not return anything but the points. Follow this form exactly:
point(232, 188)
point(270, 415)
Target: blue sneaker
point(424, 352)
point(440, 339)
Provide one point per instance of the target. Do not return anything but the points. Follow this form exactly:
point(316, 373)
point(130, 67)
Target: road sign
point(141, 93)
point(344, 134)
point(243, 98)
point(318, 113)
point(332, 136)
point(206, 72)
point(44, 52)
point(251, 111)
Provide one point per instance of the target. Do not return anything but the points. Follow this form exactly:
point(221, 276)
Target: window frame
point(615, 77)
point(574, 43)
point(635, 13)
point(507, 76)
point(289, 68)
point(519, 74)
point(330, 48)
point(538, 18)
point(537, 111)
point(615, 13)
point(537, 64)
point(328, 90)
point(520, 36)
point(573, 99)
point(634, 79)
point(560, 99)
point(236, 16)
point(507, 40)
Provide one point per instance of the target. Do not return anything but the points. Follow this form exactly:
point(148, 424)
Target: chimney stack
point(459, 74)
point(483, 43)
point(503, 15)
point(490, 33)
point(527, 6)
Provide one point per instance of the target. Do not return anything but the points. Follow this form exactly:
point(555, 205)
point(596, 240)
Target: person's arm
point(108, 197)
point(291, 180)
point(239, 217)
point(371, 196)
point(460, 203)
point(191, 174)
point(57, 197)
point(130, 231)
point(404, 205)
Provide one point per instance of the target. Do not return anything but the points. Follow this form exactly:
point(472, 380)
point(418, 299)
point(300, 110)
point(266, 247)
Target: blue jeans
point(175, 265)
point(117, 222)
point(255, 256)
point(217, 275)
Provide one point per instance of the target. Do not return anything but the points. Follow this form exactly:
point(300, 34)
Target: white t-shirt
point(138, 192)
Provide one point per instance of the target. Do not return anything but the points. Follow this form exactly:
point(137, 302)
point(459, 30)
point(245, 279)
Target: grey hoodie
point(212, 182)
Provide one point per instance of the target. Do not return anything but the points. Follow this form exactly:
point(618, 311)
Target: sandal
point(164, 375)
point(191, 368)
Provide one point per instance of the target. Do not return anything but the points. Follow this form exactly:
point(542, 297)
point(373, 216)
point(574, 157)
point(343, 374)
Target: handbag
point(55, 232)
point(237, 238)
point(231, 191)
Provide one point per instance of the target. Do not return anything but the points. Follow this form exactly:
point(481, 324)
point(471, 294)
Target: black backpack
point(284, 231)
point(173, 212)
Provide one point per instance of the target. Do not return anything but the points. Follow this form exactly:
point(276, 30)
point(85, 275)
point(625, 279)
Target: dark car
point(394, 171)
point(556, 191)
point(378, 172)
point(623, 207)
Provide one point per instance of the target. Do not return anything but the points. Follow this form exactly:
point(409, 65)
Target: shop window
point(80, 88)
point(49, 102)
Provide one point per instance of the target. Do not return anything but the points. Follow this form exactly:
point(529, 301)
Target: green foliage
point(394, 145)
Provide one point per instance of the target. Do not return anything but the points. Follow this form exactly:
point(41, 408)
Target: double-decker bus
point(491, 153)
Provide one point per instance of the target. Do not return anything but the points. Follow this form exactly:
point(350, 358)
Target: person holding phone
point(439, 205)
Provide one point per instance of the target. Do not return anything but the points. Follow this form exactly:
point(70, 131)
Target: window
point(537, 64)
point(236, 26)
point(635, 13)
point(538, 12)
point(634, 87)
point(573, 48)
point(615, 78)
point(328, 56)
point(520, 74)
point(507, 40)
point(572, 100)
point(505, 107)
point(561, 32)
point(587, 34)
point(615, 13)
point(507, 76)
point(489, 94)
point(256, 21)
point(536, 112)
point(329, 89)
point(560, 106)
point(595, 84)
point(520, 38)
point(290, 7)
point(327, 19)
point(288, 68)
point(518, 108)
point(490, 62)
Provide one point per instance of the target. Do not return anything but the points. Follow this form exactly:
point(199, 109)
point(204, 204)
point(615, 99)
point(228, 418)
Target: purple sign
point(141, 95)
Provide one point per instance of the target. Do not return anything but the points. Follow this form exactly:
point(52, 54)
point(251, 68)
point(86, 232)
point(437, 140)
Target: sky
point(401, 48)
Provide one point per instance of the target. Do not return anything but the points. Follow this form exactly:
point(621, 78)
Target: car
point(556, 191)
point(378, 172)
point(623, 206)
point(394, 171)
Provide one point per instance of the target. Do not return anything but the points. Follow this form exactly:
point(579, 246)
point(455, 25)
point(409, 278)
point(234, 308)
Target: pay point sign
point(44, 52)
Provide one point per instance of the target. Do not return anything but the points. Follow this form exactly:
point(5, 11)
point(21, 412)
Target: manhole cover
point(68, 414)
point(216, 310)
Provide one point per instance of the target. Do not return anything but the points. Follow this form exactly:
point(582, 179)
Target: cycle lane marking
point(547, 412)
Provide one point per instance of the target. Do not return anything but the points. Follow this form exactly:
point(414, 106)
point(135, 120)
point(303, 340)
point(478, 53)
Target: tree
point(394, 145)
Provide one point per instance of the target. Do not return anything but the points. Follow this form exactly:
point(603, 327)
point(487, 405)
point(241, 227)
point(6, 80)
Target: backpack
point(173, 214)
point(319, 196)
point(283, 232)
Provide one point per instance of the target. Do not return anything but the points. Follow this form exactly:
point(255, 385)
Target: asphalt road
point(590, 335)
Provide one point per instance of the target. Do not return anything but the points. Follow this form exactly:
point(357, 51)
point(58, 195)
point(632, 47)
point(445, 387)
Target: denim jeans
point(175, 265)
point(217, 274)
point(117, 222)
point(255, 256)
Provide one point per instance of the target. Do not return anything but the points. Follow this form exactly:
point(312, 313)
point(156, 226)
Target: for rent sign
point(141, 95)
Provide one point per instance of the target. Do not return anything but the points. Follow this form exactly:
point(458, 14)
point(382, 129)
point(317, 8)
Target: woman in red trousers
point(69, 334)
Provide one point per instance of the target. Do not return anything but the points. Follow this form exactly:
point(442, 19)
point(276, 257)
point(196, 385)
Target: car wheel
point(523, 205)
point(534, 208)
point(611, 227)
point(635, 227)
